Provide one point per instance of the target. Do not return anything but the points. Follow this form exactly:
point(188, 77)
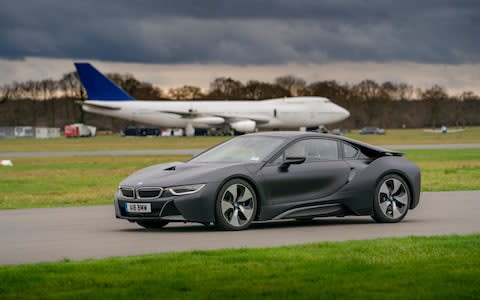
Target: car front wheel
point(392, 199)
point(236, 205)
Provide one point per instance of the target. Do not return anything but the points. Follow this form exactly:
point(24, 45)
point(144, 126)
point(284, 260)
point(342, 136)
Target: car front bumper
point(197, 207)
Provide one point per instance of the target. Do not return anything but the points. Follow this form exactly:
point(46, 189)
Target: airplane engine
point(208, 120)
point(244, 126)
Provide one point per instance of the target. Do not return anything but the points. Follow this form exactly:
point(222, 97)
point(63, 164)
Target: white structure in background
point(29, 132)
point(6, 163)
point(172, 132)
point(7, 132)
point(25, 131)
point(47, 132)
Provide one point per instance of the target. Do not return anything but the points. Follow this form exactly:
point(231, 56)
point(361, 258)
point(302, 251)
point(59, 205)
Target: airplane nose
point(343, 112)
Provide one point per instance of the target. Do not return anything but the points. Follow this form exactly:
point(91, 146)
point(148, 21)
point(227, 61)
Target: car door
point(322, 173)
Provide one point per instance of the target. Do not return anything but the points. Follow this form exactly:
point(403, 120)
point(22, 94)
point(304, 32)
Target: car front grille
point(149, 193)
point(141, 193)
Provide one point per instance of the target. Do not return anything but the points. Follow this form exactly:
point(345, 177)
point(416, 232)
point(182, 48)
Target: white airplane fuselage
point(274, 113)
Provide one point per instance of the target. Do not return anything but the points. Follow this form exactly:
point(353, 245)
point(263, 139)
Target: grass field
point(418, 136)
point(109, 143)
point(393, 137)
point(50, 182)
point(448, 170)
point(400, 268)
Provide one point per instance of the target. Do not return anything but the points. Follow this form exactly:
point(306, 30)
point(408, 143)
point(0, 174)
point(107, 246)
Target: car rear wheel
point(152, 224)
point(236, 205)
point(392, 199)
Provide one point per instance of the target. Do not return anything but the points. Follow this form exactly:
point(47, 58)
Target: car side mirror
point(292, 161)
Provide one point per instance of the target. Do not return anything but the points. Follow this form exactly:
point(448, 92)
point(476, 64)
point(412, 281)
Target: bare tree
point(434, 97)
point(291, 83)
point(367, 89)
point(226, 87)
point(70, 85)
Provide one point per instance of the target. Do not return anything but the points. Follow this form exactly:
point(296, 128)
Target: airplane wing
point(228, 119)
point(257, 119)
point(106, 107)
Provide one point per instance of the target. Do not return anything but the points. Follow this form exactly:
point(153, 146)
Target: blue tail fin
point(98, 86)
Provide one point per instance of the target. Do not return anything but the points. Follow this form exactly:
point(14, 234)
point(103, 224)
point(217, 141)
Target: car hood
point(182, 173)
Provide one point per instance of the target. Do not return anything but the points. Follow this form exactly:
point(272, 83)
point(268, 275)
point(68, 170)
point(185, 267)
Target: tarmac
point(10, 155)
point(76, 233)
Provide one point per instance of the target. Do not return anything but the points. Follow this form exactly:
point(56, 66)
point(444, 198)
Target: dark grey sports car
point(271, 176)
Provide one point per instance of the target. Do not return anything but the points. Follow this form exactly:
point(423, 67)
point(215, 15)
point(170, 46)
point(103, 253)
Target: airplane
point(106, 98)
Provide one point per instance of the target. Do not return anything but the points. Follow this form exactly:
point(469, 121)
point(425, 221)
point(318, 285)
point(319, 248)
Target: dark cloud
point(241, 32)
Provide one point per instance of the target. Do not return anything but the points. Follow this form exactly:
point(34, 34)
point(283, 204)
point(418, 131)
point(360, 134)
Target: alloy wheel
point(393, 198)
point(237, 205)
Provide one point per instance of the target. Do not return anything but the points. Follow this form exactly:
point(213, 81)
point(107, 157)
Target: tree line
point(391, 105)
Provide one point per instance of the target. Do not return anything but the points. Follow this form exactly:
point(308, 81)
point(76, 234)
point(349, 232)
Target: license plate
point(138, 207)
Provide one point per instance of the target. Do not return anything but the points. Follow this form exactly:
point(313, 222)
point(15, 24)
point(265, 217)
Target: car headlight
point(185, 189)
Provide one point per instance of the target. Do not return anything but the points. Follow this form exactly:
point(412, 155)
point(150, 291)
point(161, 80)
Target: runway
point(52, 234)
point(10, 155)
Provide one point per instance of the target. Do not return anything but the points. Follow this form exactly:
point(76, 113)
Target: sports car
point(273, 176)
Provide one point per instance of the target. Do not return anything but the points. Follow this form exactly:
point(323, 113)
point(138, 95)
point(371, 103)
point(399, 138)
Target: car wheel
point(392, 199)
point(236, 205)
point(152, 224)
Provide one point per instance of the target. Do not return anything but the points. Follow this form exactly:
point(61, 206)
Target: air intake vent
point(127, 192)
point(172, 168)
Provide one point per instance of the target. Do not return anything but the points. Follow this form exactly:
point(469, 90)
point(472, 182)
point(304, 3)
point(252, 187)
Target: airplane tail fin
point(98, 86)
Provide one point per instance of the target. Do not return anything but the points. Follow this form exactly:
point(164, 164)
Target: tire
point(392, 199)
point(152, 224)
point(236, 205)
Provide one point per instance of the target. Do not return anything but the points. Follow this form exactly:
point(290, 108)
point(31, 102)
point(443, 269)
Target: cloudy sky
point(171, 43)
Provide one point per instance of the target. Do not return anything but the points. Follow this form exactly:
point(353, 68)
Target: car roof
point(292, 135)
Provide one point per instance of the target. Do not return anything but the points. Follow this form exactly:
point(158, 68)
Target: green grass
point(418, 136)
point(393, 137)
point(51, 182)
point(401, 268)
point(448, 169)
point(108, 143)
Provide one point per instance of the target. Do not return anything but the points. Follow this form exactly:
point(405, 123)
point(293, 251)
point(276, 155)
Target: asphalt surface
point(10, 155)
point(52, 234)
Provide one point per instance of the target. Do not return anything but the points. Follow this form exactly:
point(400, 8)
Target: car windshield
point(241, 149)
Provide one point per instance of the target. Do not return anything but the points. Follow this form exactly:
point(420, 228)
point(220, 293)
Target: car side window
point(314, 149)
point(349, 151)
